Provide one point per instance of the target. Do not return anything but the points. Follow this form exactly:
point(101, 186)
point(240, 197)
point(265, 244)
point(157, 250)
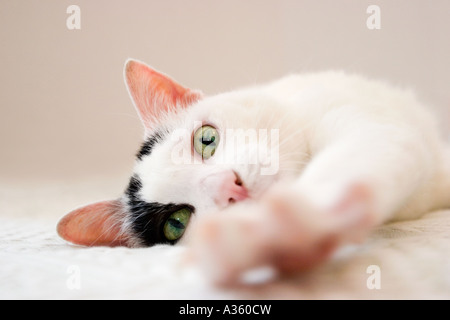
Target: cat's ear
point(154, 93)
point(97, 224)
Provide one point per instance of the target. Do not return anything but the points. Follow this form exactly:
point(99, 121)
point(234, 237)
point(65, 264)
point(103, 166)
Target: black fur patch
point(148, 144)
point(134, 186)
point(148, 218)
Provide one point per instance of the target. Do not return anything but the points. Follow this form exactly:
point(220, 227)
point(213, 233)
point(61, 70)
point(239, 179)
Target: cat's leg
point(352, 184)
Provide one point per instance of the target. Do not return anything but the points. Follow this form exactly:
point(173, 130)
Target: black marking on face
point(134, 186)
point(148, 144)
point(148, 218)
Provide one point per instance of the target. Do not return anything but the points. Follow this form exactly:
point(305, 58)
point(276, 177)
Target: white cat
point(281, 174)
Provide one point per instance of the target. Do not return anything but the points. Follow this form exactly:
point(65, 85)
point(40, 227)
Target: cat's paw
point(305, 234)
point(283, 230)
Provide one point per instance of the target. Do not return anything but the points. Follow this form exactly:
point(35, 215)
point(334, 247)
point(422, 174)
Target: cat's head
point(199, 156)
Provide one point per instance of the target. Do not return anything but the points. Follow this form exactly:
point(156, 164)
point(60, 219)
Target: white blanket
point(411, 259)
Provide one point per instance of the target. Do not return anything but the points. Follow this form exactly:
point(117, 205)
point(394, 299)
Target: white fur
point(335, 129)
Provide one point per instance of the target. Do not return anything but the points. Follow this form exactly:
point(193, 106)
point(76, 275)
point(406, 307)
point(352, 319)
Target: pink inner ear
point(154, 93)
point(93, 225)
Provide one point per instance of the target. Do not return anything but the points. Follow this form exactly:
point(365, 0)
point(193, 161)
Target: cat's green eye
point(176, 224)
point(206, 140)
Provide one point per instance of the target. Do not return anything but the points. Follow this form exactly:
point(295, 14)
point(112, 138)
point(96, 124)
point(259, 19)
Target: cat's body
point(388, 129)
point(341, 154)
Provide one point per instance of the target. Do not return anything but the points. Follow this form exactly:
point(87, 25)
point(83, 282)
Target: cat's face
point(199, 156)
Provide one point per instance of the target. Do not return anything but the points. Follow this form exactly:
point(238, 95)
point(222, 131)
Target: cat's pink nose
point(231, 189)
point(228, 188)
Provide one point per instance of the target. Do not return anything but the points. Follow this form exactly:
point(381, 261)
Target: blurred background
point(65, 114)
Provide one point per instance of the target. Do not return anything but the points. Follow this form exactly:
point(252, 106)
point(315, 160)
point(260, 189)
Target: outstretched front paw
point(282, 230)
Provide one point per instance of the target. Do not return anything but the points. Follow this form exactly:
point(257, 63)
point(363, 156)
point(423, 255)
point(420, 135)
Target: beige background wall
point(64, 110)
